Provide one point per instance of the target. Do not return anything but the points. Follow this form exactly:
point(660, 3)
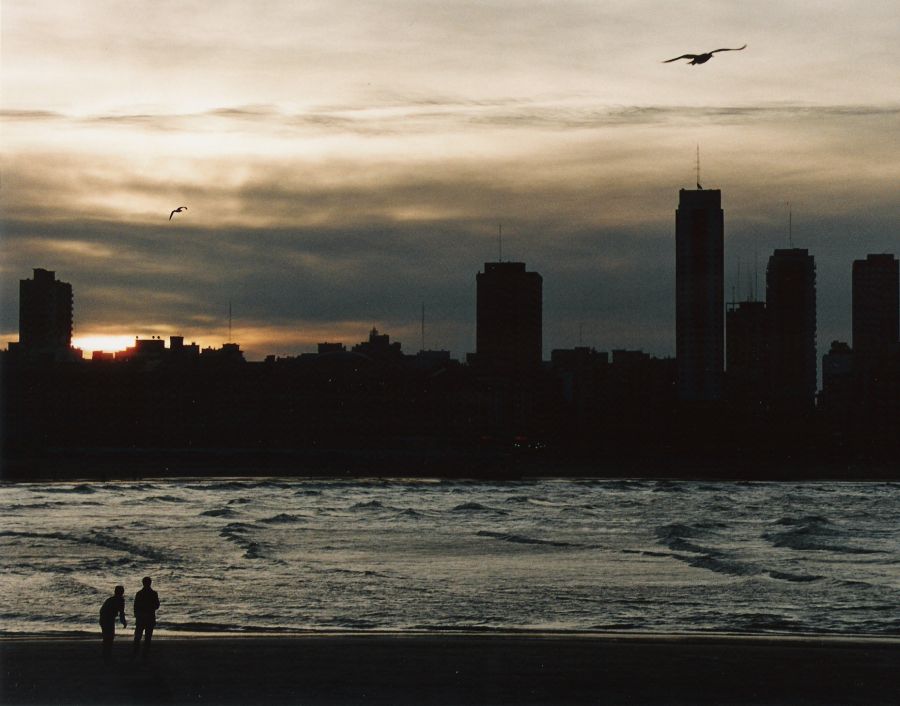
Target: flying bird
point(177, 210)
point(702, 58)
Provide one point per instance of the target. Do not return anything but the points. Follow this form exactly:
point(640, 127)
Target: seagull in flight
point(177, 210)
point(702, 58)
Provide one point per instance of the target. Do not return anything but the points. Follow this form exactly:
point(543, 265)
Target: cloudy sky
point(345, 162)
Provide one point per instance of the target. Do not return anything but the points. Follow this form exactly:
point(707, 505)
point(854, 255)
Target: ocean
point(284, 555)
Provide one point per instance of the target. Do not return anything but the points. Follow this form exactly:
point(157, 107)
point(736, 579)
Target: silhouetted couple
point(146, 601)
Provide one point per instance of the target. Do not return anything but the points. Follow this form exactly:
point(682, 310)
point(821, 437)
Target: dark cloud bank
point(607, 287)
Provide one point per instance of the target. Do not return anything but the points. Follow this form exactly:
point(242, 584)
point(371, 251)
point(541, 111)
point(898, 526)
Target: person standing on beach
point(146, 601)
point(112, 606)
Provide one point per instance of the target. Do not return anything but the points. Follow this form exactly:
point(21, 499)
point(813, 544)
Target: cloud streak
point(436, 115)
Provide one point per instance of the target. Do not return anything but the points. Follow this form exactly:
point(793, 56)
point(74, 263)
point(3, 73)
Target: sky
point(344, 163)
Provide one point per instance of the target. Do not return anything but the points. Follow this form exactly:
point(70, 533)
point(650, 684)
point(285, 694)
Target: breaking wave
point(82, 489)
point(812, 533)
point(518, 539)
point(219, 512)
point(795, 578)
point(477, 507)
point(675, 537)
point(283, 518)
point(95, 538)
point(370, 505)
point(234, 532)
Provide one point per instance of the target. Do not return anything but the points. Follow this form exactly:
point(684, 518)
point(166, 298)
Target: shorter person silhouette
point(112, 606)
point(146, 601)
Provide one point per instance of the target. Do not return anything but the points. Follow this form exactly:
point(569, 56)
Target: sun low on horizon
point(105, 343)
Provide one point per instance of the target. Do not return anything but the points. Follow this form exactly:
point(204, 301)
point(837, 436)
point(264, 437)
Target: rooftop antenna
point(790, 225)
point(500, 242)
point(423, 326)
point(229, 321)
point(733, 299)
point(755, 273)
point(581, 334)
point(698, 167)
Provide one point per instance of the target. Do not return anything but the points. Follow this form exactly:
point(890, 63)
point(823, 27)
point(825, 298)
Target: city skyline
point(343, 167)
point(510, 302)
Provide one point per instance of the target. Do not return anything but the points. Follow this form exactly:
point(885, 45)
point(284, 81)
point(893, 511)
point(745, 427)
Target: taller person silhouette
point(146, 601)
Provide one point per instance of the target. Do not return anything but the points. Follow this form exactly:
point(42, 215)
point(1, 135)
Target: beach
point(417, 668)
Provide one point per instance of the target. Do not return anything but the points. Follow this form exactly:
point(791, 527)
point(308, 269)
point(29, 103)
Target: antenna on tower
point(229, 321)
point(738, 279)
point(698, 167)
point(423, 326)
point(581, 334)
point(500, 242)
point(755, 273)
point(790, 225)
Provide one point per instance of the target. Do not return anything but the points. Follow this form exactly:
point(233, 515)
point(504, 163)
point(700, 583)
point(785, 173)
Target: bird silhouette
point(702, 58)
point(177, 210)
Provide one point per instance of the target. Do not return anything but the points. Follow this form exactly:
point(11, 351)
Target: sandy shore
point(454, 669)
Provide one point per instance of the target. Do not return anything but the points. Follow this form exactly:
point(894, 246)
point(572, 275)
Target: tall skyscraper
point(699, 294)
point(45, 314)
point(508, 317)
point(791, 315)
point(876, 307)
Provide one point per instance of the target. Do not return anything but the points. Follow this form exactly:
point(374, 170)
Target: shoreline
point(446, 463)
point(453, 670)
point(534, 475)
point(685, 638)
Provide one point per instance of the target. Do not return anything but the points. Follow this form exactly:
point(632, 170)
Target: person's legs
point(109, 633)
point(138, 630)
point(148, 635)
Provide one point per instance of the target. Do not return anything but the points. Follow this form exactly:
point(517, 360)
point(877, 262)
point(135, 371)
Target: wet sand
point(454, 669)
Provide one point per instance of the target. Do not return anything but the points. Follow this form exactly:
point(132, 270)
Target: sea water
point(284, 555)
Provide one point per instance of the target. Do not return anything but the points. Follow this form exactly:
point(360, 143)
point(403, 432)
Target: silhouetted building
point(580, 372)
point(152, 351)
point(629, 359)
point(578, 359)
point(45, 314)
point(325, 348)
point(791, 319)
point(638, 388)
point(876, 305)
point(838, 381)
point(147, 349)
point(745, 350)
point(228, 354)
point(430, 360)
point(509, 318)
point(180, 352)
point(379, 347)
point(699, 294)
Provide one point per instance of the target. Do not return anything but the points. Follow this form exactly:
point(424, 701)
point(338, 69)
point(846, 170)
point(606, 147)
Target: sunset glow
point(100, 342)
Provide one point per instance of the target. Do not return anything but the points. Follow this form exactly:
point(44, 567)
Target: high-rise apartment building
point(45, 314)
point(508, 318)
point(791, 321)
point(699, 294)
point(876, 305)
